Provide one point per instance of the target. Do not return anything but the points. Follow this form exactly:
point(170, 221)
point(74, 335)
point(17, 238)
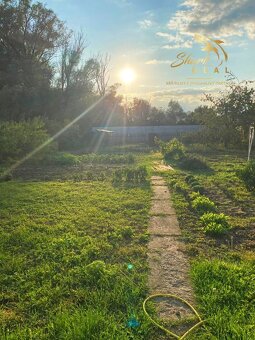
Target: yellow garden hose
point(165, 329)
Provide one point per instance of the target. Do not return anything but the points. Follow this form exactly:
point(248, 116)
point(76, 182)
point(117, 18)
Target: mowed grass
point(223, 268)
point(64, 251)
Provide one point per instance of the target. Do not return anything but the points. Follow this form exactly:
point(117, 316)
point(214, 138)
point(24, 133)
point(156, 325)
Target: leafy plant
point(203, 204)
point(215, 224)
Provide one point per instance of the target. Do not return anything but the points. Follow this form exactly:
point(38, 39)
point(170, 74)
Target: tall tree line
point(43, 71)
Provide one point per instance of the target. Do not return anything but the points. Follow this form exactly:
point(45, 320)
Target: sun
point(127, 75)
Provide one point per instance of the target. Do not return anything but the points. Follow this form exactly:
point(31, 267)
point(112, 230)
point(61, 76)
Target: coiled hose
point(200, 322)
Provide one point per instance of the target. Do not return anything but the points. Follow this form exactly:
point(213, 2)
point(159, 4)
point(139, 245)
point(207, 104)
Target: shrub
point(247, 175)
point(17, 139)
point(173, 149)
point(203, 204)
point(215, 224)
point(193, 163)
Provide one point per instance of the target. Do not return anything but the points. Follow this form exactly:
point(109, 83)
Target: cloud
point(174, 41)
point(158, 62)
point(223, 18)
point(185, 44)
point(144, 24)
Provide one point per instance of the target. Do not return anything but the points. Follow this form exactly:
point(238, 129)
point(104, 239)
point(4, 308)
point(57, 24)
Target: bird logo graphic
point(212, 46)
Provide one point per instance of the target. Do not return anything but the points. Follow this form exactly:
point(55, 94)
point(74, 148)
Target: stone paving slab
point(164, 225)
point(169, 267)
point(161, 193)
point(158, 182)
point(161, 207)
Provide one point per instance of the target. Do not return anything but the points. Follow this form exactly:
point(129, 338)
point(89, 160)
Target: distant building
point(142, 134)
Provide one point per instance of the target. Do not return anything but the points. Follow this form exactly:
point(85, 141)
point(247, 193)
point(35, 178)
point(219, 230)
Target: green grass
point(227, 298)
point(65, 247)
point(64, 250)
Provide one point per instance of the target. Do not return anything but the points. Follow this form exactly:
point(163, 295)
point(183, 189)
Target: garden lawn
point(65, 248)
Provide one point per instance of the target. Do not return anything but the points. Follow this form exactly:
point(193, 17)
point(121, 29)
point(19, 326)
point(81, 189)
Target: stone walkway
point(168, 264)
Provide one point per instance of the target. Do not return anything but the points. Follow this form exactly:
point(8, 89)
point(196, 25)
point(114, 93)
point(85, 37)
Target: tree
point(101, 70)
point(139, 112)
point(157, 116)
point(174, 113)
point(30, 35)
point(234, 110)
point(70, 61)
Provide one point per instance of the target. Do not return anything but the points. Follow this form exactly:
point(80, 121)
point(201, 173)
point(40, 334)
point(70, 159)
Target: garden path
point(169, 266)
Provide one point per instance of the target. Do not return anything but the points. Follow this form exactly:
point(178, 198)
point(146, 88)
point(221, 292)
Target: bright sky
point(145, 36)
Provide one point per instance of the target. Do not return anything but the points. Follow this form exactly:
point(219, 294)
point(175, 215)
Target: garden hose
point(165, 329)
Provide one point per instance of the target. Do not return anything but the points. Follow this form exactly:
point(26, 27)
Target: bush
point(193, 163)
point(215, 224)
point(173, 149)
point(17, 139)
point(247, 175)
point(203, 204)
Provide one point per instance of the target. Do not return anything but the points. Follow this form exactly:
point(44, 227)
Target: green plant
point(17, 139)
point(64, 249)
point(226, 294)
point(130, 175)
point(203, 204)
point(215, 224)
point(247, 175)
point(193, 163)
point(173, 149)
